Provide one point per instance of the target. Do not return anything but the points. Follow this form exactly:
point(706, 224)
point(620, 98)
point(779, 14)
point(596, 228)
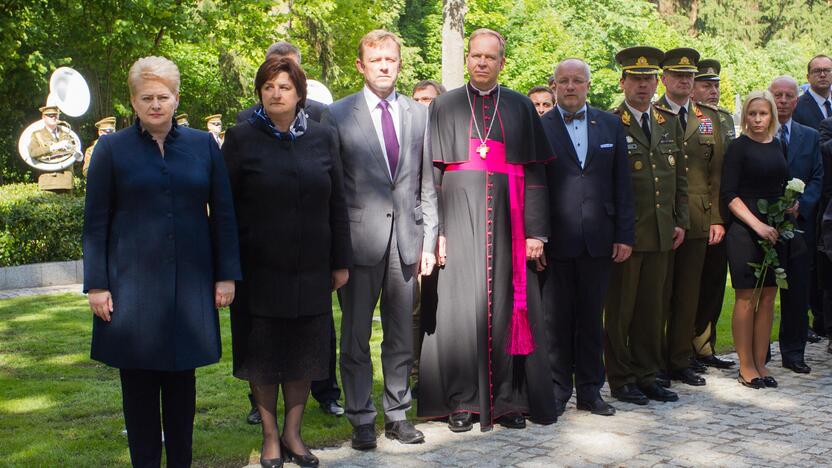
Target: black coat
point(807, 111)
point(591, 207)
point(149, 240)
point(292, 216)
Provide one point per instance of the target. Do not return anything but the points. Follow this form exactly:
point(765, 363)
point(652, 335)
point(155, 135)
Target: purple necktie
point(391, 143)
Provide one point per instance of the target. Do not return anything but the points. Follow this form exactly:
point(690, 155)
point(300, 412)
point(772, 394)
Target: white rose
point(796, 185)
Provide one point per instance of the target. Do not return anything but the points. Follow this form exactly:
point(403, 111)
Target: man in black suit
point(326, 392)
point(823, 262)
point(592, 218)
point(812, 107)
point(314, 110)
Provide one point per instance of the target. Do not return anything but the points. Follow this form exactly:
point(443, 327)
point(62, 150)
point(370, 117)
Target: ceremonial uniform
point(182, 120)
point(699, 145)
point(105, 126)
point(53, 146)
point(715, 268)
point(213, 123)
point(634, 302)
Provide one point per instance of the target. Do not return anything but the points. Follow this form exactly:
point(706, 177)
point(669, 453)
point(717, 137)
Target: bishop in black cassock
point(487, 352)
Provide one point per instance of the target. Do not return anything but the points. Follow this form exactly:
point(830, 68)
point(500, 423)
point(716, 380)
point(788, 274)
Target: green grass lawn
point(58, 406)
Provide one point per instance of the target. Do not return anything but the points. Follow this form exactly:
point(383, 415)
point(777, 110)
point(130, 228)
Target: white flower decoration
point(796, 185)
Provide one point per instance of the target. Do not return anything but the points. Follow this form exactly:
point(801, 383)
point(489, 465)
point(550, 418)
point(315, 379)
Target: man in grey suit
point(392, 206)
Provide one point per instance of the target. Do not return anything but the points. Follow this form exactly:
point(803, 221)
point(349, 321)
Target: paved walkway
point(9, 293)
point(720, 424)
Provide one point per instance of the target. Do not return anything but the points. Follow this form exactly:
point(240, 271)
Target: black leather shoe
point(253, 415)
point(512, 421)
point(629, 393)
point(462, 421)
point(404, 432)
point(271, 462)
point(769, 382)
point(560, 408)
point(756, 382)
point(813, 337)
point(306, 461)
point(597, 406)
point(663, 379)
point(364, 437)
point(800, 367)
point(688, 376)
point(715, 362)
point(829, 346)
point(655, 392)
point(332, 407)
point(697, 366)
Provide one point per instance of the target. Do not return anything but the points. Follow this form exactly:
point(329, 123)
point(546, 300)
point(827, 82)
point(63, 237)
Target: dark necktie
point(683, 119)
point(645, 125)
point(784, 141)
point(391, 142)
point(828, 106)
point(568, 117)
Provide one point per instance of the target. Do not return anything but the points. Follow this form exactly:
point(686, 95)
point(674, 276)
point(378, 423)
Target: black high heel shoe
point(769, 382)
point(271, 462)
point(305, 461)
point(756, 382)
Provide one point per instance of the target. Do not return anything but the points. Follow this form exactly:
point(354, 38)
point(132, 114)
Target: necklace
point(482, 149)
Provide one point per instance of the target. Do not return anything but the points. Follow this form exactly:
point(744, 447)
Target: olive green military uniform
point(715, 269)
point(40, 146)
point(702, 147)
point(105, 125)
point(634, 303)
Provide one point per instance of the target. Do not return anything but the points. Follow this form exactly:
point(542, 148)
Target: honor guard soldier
point(182, 119)
point(635, 300)
point(214, 125)
point(715, 269)
point(52, 142)
point(701, 144)
point(104, 126)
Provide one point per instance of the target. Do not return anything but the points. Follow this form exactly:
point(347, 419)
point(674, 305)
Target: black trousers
point(327, 389)
point(794, 301)
point(140, 393)
point(573, 302)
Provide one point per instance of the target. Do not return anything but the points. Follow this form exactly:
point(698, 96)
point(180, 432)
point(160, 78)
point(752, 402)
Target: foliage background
point(219, 43)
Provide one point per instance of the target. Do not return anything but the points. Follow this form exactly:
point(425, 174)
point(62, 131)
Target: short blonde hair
point(156, 69)
point(489, 32)
point(376, 37)
point(773, 125)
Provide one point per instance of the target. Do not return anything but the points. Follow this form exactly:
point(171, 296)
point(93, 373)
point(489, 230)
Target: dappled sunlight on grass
point(25, 405)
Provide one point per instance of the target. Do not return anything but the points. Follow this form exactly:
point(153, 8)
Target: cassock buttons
point(658, 193)
point(658, 205)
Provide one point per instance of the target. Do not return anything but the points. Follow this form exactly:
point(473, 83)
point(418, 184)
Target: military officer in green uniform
point(714, 271)
point(182, 119)
point(213, 123)
point(700, 143)
point(52, 143)
point(634, 302)
point(104, 126)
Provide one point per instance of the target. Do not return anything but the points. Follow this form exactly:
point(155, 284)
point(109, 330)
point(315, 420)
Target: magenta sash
point(521, 341)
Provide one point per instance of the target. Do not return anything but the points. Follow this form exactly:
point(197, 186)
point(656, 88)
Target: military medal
point(482, 149)
point(638, 165)
point(671, 160)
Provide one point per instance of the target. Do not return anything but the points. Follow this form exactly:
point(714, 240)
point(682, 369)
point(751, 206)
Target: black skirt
point(742, 246)
point(271, 350)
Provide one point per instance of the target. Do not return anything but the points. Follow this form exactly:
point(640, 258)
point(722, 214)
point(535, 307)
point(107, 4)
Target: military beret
point(682, 59)
point(640, 60)
point(708, 70)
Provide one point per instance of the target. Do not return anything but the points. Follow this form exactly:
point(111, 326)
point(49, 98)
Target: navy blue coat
point(805, 163)
point(807, 111)
point(591, 207)
point(150, 241)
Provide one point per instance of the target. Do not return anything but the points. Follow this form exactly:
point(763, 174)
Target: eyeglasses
point(51, 115)
point(821, 71)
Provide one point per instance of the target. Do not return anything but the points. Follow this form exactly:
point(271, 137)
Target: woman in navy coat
point(160, 256)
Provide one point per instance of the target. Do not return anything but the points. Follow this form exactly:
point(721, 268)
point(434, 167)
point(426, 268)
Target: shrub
point(37, 226)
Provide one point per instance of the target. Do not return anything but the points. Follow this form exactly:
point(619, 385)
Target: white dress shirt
point(637, 114)
point(577, 130)
point(375, 112)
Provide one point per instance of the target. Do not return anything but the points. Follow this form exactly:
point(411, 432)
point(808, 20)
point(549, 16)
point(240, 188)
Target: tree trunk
point(453, 45)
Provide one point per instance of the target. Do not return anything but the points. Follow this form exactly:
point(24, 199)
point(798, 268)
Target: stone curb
point(39, 275)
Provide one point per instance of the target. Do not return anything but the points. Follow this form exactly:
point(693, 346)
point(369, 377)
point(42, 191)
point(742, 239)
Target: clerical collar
point(480, 92)
point(637, 113)
point(675, 107)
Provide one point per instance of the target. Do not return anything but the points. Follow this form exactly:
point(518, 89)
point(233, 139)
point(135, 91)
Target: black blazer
point(292, 217)
point(592, 207)
point(807, 111)
point(314, 110)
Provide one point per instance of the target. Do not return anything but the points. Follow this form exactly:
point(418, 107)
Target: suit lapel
point(591, 135)
point(810, 101)
point(365, 122)
point(794, 142)
point(656, 129)
point(693, 123)
point(635, 126)
point(405, 117)
point(560, 127)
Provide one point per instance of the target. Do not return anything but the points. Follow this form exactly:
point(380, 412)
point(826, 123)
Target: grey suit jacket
point(373, 200)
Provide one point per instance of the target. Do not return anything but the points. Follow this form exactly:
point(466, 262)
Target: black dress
point(751, 171)
point(294, 231)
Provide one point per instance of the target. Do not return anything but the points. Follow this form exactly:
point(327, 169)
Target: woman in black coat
point(295, 250)
point(156, 264)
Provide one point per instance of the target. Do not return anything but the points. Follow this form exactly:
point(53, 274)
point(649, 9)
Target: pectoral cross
point(482, 150)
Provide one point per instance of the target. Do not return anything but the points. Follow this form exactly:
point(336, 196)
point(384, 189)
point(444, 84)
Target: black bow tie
point(568, 117)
